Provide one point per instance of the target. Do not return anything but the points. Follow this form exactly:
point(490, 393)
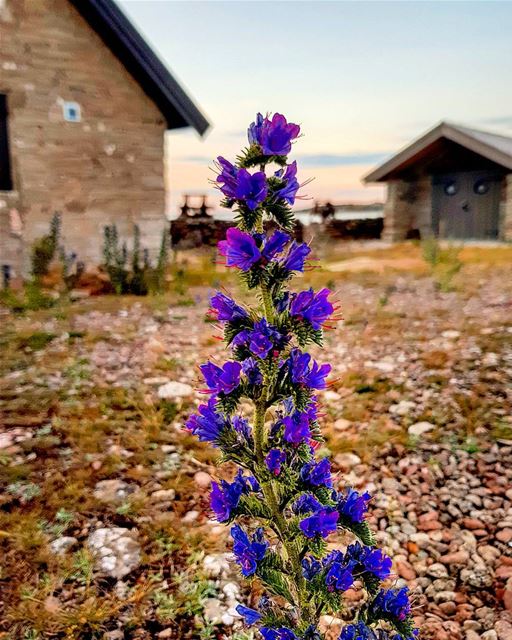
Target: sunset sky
point(362, 79)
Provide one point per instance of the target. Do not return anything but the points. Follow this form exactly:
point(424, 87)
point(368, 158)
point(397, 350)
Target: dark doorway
point(5, 160)
point(466, 205)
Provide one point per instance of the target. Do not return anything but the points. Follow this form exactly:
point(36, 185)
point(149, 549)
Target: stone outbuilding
point(453, 182)
point(84, 106)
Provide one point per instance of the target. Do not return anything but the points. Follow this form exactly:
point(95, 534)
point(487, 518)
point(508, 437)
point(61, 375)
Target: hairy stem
point(299, 587)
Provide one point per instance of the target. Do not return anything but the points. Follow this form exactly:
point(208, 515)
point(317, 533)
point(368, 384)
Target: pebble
point(173, 390)
point(116, 550)
point(419, 428)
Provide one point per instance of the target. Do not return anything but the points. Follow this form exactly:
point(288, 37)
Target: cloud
point(340, 159)
point(311, 159)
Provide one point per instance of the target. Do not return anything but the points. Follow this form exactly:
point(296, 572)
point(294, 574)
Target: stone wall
point(408, 208)
point(506, 209)
point(107, 168)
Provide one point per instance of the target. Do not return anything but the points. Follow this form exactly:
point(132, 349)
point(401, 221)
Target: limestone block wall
point(408, 206)
point(506, 209)
point(106, 168)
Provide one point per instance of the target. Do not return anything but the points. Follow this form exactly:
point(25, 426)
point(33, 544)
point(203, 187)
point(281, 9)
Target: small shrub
point(445, 263)
point(44, 249)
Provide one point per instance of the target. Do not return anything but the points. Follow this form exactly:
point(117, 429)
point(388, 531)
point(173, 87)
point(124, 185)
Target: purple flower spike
point(239, 249)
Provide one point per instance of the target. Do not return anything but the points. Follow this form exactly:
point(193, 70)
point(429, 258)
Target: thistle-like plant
point(283, 502)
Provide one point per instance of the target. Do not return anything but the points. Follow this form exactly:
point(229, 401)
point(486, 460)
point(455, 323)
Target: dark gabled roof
point(491, 146)
point(126, 43)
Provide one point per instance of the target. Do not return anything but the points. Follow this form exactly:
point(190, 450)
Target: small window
point(451, 188)
point(481, 187)
point(72, 112)
point(5, 158)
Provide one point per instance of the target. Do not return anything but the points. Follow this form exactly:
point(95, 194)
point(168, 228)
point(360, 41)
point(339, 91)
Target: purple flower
point(223, 379)
point(241, 426)
point(274, 459)
point(296, 427)
point(251, 189)
point(296, 258)
point(353, 505)
point(317, 474)
point(369, 559)
point(289, 191)
point(310, 567)
point(280, 633)
point(252, 372)
point(301, 373)
point(315, 308)
point(274, 136)
point(338, 576)
point(322, 523)
point(260, 344)
point(227, 178)
point(275, 244)
point(208, 424)
point(239, 184)
point(250, 616)
point(240, 249)
point(281, 304)
point(226, 309)
point(357, 631)
point(391, 604)
point(306, 503)
point(248, 552)
point(225, 497)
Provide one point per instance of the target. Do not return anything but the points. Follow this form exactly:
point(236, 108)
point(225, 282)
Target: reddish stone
point(457, 557)
point(505, 560)
point(504, 572)
point(412, 547)
point(405, 570)
point(507, 599)
point(473, 523)
point(434, 525)
point(505, 535)
point(480, 533)
point(448, 608)
point(464, 612)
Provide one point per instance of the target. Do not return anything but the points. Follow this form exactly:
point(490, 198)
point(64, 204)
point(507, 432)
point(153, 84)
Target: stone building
point(453, 182)
point(84, 105)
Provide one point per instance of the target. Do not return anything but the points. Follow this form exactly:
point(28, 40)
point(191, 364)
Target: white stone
point(451, 334)
point(384, 366)
point(342, 424)
point(116, 551)
point(347, 460)
point(419, 428)
point(59, 546)
point(163, 494)
point(217, 565)
point(174, 390)
point(112, 491)
point(402, 408)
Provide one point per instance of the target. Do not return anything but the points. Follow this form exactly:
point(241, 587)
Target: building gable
point(491, 147)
